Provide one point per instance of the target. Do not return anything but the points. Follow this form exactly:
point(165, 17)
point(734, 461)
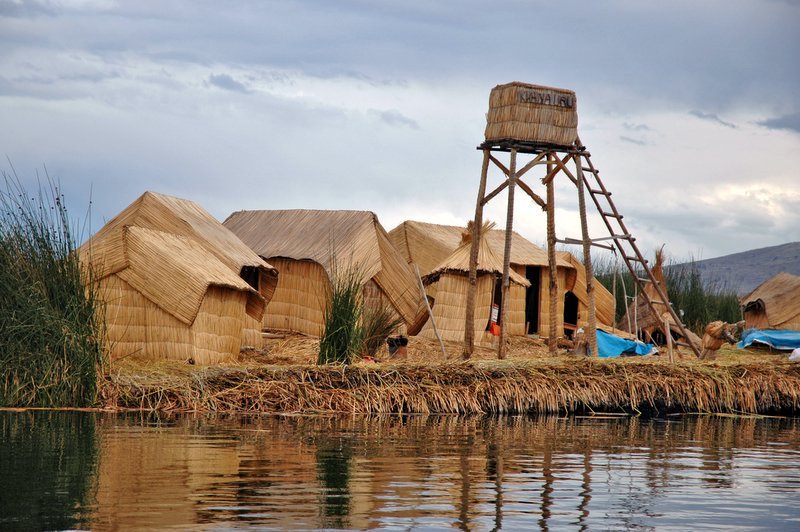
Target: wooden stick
point(430, 312)
point(551, 257)
point(506, 283)
point(469, 319)
point(668, 332)
point(494, 192)
point(591, 329)
point(539, 201)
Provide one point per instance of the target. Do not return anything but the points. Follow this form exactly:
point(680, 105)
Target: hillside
point(746, 270)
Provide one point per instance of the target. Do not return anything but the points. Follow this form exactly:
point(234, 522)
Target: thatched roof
point(778, 296)
point(334, 239)
point(488, 261)
point(427, 245)
point(171, 250)
point(605, 305)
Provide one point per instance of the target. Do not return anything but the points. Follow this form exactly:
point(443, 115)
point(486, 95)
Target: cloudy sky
point(691, 109)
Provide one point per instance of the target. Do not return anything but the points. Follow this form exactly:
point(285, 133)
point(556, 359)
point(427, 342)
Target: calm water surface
point(83, 470)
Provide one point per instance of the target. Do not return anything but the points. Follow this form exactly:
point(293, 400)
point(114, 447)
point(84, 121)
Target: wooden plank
point(539, 201)
point(494, 192)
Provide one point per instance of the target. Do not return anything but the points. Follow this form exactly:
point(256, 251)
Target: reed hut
point(774, 304)
point(426, 245)
point(449, 280)
point(308, 246)
point(176, 284)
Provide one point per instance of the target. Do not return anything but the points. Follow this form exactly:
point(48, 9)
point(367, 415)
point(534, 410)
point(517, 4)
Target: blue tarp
point(611, 346)
point(777, 339)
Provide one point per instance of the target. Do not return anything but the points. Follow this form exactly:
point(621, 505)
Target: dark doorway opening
point(570, 314)
point(534, 275)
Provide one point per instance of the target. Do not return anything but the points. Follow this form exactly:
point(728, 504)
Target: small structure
point(427, 245)
point(449, 282)
point(176, 284)
point(774, 304)
point(308, 246)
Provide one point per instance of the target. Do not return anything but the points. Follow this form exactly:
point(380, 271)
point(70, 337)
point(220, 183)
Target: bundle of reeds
point(50, 339)
point(543, 386)
point(532, 113)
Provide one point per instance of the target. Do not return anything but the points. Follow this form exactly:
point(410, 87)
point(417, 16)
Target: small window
point(251, 275)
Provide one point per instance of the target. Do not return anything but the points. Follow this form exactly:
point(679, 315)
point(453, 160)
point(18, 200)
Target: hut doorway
point(570, 313)
point(534, 275)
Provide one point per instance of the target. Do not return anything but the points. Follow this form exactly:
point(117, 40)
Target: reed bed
point(561, 385)
point(50, 339)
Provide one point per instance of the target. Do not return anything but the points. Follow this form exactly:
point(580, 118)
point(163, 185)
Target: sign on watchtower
point(542, 122)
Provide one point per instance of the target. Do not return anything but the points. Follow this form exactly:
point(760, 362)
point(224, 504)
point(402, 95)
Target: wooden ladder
point(625, 243)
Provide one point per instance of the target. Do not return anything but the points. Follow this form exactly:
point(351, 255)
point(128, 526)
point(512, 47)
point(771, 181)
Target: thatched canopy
point(774, 304)
point(171, 250)
point(334, 239)
point(427, 245)
point(488, 261)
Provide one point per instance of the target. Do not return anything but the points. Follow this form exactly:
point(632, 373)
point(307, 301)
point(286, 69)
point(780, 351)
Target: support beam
point(494, 192)
point(591, 329)
point(551, 255)
point(506, 284)
point(536, 199)
point(469, 320)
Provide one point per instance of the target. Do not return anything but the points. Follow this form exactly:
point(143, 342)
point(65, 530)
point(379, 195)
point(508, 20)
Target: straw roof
point(779, 298)
point(427, 245)
point(605, 304)
point(334, 239)
point(171, 250)
point(488, 261)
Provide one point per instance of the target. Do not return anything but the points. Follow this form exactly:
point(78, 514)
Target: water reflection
point(146, 471)
point(48, 463)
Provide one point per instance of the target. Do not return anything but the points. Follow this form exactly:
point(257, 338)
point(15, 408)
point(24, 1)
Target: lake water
point(61, 470)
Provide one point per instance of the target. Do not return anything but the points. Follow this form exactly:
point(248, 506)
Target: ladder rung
point(612, 215)
point(600, 192)
point(637, 259)
point(591, 170)
point(644, 280)
point(657, 302)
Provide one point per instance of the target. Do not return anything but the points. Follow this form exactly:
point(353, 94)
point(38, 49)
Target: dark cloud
point(395, 118)
point(711, 117)
point(226, 82)
point(638, 142)
point(790, 122)
point(635, 127)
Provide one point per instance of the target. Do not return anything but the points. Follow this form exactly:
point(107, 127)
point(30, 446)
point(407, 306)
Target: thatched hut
point(427, 245)
point(449, 280)
point(774, 304)
point(308, 246)
point(176, 284)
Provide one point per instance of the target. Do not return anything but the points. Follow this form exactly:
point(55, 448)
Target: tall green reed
point(696, 301)
point(352, 327)
point(50, 337)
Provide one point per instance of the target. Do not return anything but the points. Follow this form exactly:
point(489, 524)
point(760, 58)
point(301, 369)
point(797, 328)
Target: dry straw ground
point(284, 379)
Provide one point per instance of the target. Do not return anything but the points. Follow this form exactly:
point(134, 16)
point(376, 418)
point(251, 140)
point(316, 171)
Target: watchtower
point(540, 124)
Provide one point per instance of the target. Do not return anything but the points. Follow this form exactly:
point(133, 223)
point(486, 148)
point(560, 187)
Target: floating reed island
point(286, 381)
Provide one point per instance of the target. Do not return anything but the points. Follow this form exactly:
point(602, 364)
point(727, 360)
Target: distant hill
point(746, 270)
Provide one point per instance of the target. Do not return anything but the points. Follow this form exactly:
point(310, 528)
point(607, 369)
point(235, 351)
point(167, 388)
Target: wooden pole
point(505, 285)
point(668, 332)
point(591, 329)
point(551, 258)
point(430, 312)
point(469, 320)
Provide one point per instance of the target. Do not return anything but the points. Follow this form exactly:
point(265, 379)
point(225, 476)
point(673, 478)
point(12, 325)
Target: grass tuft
point(50, 341)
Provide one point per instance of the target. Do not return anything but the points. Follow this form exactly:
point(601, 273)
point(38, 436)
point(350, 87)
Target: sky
point(691, 109)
